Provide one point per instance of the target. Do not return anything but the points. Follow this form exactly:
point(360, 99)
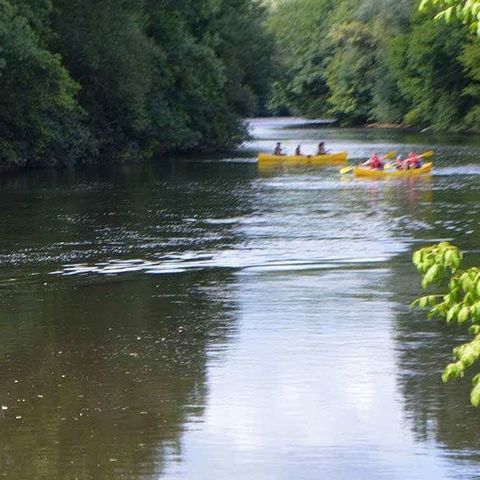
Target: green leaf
point(467, 284)
point(453, 370)
point(448, 13)
point(448, 258)
point(474, 330)
point(423, 4)
point(415, 303)
point(453, 284)
point(417, 257)
point(456, 260)
point(475, 395)
point(463, 315)
point(453, 312)
point(431, 275)
point(423, 302)
point(438, 310)
point(469, 299)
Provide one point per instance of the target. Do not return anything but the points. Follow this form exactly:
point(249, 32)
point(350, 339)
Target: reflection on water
point(205, 319)
point(99, 378)
point(437, 412)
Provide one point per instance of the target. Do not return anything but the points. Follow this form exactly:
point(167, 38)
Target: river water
point(206, 319)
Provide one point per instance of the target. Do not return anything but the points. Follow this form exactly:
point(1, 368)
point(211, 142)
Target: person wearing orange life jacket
point(374, 162)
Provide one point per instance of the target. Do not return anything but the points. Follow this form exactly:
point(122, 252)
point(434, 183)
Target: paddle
point(427, 154)
point(390, 155)
point(345, 170)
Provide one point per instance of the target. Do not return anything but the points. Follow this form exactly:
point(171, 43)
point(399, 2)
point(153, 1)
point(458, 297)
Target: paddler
point(413, 160)
point(374, 162)
point(399, 163)
point(278, 149)
point(321, 149)
point(298, 151)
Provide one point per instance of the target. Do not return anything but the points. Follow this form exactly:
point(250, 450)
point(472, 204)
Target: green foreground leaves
point(467, 11)
point(441, 265)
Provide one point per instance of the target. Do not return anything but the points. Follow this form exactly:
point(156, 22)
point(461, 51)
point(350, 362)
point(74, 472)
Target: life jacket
point(375, 162)
point(413, 161)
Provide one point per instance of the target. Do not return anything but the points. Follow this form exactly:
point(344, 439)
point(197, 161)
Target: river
point(203, 319)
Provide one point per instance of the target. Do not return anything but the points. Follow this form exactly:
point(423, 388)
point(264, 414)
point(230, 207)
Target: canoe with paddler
point(375, 167)
point(320, 157)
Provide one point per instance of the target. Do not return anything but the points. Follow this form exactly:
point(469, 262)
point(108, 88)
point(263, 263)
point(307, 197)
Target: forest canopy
point(376, 61)
point(82, 79)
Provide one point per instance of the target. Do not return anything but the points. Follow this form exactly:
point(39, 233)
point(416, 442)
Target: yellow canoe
point(413, 172)
point(328, 159)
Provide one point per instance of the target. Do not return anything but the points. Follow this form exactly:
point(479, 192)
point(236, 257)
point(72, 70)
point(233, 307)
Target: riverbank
point(391, 126)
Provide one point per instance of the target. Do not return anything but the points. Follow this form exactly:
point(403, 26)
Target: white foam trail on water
point(470, 169)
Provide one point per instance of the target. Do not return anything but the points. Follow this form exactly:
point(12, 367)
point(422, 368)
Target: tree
point(351, 72)
point(430, 76)
point(470, 59)
point(128, 79)
point(40, 119)
point(248, 71)
point(300, 29)
point(374, 61)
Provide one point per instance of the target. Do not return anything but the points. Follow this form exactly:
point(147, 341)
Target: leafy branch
point(467, 11)
point(440, 265)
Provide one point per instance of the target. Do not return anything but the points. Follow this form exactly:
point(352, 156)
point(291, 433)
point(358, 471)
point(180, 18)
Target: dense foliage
point(460, 304)
point(82, 79)
point(375, 61)
point(118, 79)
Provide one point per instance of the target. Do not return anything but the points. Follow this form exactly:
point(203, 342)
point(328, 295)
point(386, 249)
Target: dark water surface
point(207, 320)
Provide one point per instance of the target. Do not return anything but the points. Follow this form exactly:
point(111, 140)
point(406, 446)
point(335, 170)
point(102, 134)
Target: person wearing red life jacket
point(413, 161)
point(374, 162)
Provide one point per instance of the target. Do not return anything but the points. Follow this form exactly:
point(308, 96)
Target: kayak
point(413, 172)
point(327, 159)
